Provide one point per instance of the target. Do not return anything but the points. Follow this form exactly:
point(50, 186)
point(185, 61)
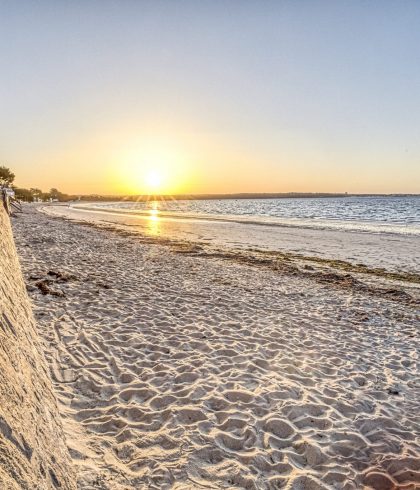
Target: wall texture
point(33, 453)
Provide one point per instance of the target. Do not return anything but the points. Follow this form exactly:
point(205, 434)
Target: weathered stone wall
point(33, 454)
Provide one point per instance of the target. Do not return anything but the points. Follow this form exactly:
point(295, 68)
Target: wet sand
point(390, 251)
point(179, 368)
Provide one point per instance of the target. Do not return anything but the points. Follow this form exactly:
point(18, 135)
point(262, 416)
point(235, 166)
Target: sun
point(153, 180)
point(163, 171)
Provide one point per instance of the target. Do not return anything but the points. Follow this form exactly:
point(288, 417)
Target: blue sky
point(223, 96)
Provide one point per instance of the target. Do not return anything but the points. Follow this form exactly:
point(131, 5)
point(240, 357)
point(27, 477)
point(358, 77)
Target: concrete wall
point(33, 453)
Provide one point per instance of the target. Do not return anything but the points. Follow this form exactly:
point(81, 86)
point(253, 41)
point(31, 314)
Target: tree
point(55, 193)
point(60, 196)
point(23, 194)
point(45, 196)
point(36, 193)
point(6, 177)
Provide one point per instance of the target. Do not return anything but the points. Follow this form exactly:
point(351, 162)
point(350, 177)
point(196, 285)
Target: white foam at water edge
point(372, 215)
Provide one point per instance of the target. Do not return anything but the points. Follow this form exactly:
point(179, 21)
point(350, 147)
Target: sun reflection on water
point(153, 219)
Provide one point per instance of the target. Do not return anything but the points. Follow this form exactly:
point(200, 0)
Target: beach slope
point(178, 368)
point(33, 453)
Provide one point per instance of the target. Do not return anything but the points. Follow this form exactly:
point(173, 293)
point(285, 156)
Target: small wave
point(313, 222)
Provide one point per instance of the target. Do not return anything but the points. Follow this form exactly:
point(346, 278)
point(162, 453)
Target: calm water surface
point(399, 215)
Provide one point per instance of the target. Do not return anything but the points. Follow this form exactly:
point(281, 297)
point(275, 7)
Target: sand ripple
point(182, 372)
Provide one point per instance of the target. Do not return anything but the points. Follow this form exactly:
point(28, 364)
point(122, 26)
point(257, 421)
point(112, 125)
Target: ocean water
point(380, 232)
point(397, 215)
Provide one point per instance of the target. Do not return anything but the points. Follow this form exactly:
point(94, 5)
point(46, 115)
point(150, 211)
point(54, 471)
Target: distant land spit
point(274, 195)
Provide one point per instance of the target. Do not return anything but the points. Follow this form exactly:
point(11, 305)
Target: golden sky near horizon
point(186, 98)
point(127, 162)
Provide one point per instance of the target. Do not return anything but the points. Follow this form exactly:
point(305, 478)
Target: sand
point(398, 252)
point(179, 369)
point(33, 452)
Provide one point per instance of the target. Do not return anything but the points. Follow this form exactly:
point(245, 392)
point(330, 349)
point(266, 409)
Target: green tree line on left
point(7, 178)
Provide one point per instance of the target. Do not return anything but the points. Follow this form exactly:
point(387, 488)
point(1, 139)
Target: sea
point(399, 214)
point(378, 232)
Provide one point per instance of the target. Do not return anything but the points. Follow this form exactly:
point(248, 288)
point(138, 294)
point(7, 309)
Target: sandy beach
point(398, 252)
point(179, 368)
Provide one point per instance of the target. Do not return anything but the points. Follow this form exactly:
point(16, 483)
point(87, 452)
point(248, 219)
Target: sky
point(178, 96)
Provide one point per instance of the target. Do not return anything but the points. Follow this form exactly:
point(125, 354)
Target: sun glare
point(156, 169)
point(153, 180)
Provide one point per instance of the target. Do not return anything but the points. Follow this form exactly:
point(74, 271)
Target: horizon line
point(245, 195)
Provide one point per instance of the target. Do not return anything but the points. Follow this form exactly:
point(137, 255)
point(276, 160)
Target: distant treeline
point(30, 195)
point(7, 178)
point(248, 195)
point(33, 195)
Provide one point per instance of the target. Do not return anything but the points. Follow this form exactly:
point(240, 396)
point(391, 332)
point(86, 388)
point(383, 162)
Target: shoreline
point(398, 253)
point(182, 365)
point(297, 263)
point(345, 226)
point(237, 196)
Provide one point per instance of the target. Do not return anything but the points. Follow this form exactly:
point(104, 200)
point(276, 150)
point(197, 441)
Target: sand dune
point(179, 371)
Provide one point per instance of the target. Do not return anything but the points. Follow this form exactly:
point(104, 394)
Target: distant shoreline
point(243, 195)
